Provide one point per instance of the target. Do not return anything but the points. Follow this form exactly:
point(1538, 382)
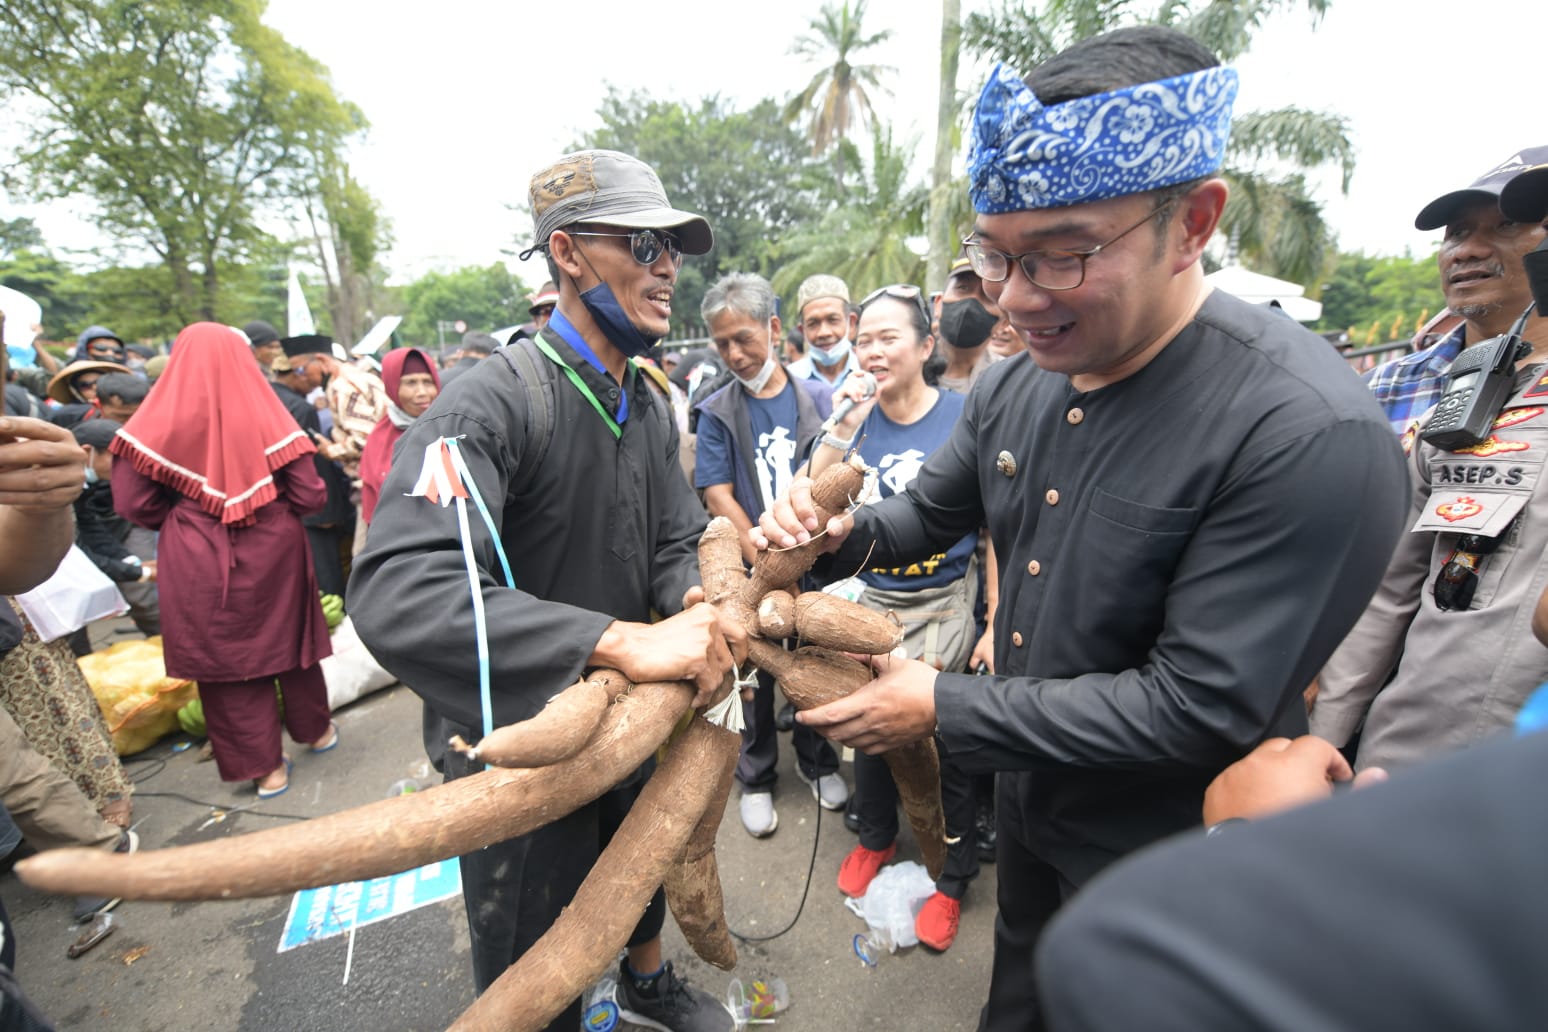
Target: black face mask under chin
point(1536, 262)
point(966, 323)
point(611, 319)
point(615, 323)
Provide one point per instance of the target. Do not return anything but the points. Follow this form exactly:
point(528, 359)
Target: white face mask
point(830, 356)
point(761, 379)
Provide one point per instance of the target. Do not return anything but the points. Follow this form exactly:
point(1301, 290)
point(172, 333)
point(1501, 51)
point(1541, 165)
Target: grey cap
point(615, 189)
point(1486, 187)
point(1525, 198)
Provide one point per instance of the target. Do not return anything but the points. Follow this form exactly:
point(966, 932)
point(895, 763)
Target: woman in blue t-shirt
point(894, 431)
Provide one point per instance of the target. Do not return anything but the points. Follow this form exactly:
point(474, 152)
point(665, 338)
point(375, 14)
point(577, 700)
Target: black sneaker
point(88, 906)
point(671, 1005)
point(984, 835)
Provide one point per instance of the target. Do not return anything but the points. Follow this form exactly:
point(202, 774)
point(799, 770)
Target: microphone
point(846, 405)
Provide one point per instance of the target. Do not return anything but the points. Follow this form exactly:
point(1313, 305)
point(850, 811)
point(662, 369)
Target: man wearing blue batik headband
point(1191, 499)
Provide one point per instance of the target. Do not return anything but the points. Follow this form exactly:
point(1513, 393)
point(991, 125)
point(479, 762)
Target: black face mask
point(615, 323)
point(1536, 262)
point(966, 323)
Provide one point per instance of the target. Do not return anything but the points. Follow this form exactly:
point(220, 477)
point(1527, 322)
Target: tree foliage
point(868, 240)
point(181, 119)
point(1273, 220)
point(348, 231)
point(485, 297)
point(837, 100)
point(1381, 298)
point(746, 171)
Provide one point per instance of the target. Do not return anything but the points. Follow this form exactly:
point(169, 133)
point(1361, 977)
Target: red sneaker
point(937, 922)
point(860, 866)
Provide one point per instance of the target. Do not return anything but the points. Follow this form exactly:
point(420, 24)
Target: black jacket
point(603, 529)
point(338, 510)
point(100, 533)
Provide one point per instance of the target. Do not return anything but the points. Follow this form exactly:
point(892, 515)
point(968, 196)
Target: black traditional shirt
point(1179, 552)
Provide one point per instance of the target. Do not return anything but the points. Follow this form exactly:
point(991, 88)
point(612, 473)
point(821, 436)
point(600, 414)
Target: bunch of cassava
point(587, 739)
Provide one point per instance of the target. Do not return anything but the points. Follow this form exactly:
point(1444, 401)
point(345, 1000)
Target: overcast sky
point(467, 99)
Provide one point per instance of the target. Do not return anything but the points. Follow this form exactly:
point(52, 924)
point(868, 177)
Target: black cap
point(98, 433)
point(259, 333)
point(1525, 198)
point(1486, 187)
point(307, 344)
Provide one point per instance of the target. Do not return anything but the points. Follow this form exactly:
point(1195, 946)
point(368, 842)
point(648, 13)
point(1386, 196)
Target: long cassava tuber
point(586, 938)
point(379, 838)
point(558, 731)
point(837, 623)
point(832, 492)
point(692, 882)
point(813, 676)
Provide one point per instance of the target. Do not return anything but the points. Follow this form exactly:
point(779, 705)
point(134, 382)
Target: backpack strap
point(521, 357)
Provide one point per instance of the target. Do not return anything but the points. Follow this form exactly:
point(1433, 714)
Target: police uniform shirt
point(1464, 673)
point(1179, 552)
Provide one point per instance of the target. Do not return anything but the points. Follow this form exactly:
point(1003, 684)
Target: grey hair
point(745, 293)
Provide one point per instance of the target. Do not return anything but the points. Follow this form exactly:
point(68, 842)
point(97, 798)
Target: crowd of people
point(1162, 560)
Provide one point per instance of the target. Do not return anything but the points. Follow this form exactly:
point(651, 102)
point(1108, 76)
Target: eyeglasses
point(83, 384)
point(1051, 270)
point(1458, 578)
point(903, 292)
point(646, 245)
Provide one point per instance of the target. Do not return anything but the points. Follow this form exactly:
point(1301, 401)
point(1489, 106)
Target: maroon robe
point(237, 602)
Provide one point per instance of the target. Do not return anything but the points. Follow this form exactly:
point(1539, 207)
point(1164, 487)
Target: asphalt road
point(217, 965)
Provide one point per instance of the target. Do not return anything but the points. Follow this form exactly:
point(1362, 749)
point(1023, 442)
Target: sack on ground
point(137, 698)
point(351, 671)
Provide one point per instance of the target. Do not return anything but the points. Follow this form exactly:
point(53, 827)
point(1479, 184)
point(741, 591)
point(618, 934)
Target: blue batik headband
point(1026, 155)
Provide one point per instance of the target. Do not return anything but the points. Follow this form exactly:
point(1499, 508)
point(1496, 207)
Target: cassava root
point(558, 731)
point(379, 838)
point(582, 943)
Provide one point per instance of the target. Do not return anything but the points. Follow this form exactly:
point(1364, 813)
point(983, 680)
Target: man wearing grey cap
point(600, 528)
point(1482, 278)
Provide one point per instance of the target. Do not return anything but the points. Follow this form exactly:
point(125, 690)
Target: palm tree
point(868, 243)
point(836, 101)
point(1271, 220)
point(942, 244)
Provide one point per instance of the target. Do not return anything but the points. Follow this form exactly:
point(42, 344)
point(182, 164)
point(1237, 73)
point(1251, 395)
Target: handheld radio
point(1478, 384)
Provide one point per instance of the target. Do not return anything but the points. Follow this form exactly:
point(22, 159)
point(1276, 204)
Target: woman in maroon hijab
point(412, 384)
point(214, 462)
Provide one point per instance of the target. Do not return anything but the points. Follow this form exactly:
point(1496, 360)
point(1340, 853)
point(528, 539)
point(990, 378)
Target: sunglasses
point(903, 292)
point(1458, 578)
point(646, 245)
point(84, 384)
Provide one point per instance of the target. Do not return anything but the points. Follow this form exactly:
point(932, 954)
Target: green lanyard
point(580, 385)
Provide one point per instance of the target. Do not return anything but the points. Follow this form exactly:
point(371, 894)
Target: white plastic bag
point(73, 597)
point(351, 671)
point(892, 902)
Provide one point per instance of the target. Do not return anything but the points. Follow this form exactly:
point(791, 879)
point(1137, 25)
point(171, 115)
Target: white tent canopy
point(1258, 289)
